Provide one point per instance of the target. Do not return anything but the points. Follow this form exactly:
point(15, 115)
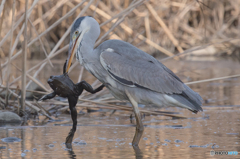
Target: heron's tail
point(189, 98)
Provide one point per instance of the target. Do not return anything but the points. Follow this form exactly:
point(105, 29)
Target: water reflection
point(110, 137)
point(72, 155)
point(138, 152)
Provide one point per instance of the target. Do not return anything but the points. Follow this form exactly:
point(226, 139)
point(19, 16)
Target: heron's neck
point(86, 50)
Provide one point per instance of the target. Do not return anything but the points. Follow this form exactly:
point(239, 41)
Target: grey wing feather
point(132, 67)
point(142, 70)
point(189, 98)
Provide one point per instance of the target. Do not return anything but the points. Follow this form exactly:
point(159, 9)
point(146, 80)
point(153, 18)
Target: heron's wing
point(136, 68)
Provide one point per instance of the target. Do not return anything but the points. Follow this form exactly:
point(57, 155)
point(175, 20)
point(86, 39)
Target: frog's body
point(63, 86)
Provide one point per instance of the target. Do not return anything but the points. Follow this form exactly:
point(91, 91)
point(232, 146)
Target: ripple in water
point(11, 139)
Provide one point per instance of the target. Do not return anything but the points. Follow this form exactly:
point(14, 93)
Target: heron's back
point(151, 81)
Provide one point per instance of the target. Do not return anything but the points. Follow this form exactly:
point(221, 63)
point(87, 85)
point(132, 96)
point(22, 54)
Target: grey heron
point(128, 72)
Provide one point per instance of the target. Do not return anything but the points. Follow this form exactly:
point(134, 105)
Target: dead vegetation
point(158, 27)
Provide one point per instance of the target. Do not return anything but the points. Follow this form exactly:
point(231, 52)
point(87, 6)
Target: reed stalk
point(9, 55)
point(24, 60)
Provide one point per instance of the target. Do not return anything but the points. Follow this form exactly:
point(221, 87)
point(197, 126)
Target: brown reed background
point(159, 27)
point(183, 23)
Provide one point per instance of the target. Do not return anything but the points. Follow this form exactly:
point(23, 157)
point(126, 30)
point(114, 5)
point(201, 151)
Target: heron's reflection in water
point(138, 152)
point(72, 155)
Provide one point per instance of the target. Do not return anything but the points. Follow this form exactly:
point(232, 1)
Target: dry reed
point(24, 58)
point(8, 69)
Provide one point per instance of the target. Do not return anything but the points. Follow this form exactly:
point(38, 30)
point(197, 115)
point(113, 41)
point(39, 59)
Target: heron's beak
point(71, 52)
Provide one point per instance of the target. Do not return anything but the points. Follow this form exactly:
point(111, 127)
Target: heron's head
point(82, 26)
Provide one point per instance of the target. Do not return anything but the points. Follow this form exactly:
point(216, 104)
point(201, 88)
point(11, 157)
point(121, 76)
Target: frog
point(63, 86)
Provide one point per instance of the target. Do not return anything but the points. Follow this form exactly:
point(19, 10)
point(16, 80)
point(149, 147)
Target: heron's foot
point(69, 138)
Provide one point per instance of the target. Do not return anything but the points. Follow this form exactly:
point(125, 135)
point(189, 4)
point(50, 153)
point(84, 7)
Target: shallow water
point(110, 137)
point(106, 135)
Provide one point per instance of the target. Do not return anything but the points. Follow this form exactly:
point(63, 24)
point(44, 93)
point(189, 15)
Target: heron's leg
point(48, 96)
point(142, 116)
point(139, 127)
point(72, 103)
point(88, 87)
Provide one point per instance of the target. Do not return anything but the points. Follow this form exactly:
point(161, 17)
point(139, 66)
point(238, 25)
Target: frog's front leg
point(88, 87)
point(48, 96)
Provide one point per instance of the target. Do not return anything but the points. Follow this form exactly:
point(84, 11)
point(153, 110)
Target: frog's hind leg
point(48, 96)
point(88, 87)
point(72, 100)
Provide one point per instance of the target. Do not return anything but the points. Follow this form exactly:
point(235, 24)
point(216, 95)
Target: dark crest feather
point(77, 23)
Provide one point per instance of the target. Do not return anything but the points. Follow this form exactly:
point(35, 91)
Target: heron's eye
point(76, 32)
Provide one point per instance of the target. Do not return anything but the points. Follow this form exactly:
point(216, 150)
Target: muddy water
point(106, 135)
